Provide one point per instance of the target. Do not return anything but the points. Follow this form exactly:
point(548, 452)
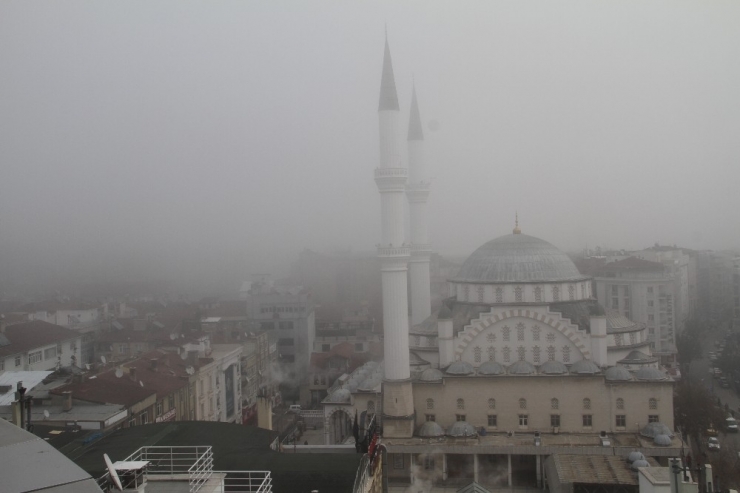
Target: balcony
point(191, 465)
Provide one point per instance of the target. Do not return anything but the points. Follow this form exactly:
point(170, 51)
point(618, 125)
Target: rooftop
point(35, 334)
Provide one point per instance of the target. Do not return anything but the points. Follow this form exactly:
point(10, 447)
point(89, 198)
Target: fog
point(208, 140)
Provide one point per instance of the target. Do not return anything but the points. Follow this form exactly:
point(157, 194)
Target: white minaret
point(394, 254)
point(417, 192)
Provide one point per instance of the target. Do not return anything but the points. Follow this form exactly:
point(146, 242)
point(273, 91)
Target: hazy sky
point(214, 134)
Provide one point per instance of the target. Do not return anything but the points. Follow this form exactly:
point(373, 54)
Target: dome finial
point(517, 231)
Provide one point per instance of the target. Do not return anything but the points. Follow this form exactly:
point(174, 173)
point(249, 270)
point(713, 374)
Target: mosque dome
point(461, 429)
point(553, 368)
point(522, 368)
point(518, 258)
point(460, 368)
point(662, 440)
point(430, 429)
point(652, 430)
point(617, 374)
point(431, 375)
point(635, 455)
point(651, 374)
point(585, 367)
point(491, 368)
point(640, 463)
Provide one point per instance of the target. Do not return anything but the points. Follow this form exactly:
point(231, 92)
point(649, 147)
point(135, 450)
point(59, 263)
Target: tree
point(696, 410)
point(688, 344)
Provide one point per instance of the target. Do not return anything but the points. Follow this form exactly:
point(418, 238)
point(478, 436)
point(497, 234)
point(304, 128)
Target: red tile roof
point(29, 335)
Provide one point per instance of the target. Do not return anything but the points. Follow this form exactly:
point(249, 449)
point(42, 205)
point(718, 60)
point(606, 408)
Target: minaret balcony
point(394, 251)
point(421, 249)
point(391, 179)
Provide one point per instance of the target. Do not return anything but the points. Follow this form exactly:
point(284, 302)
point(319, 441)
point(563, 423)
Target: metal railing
point(194, 464)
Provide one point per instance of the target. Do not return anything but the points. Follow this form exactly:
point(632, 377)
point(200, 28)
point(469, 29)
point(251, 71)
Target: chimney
point(67, 405)
point(132, 373)
point(153, 363)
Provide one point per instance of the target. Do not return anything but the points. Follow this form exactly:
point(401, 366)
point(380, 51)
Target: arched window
point(476, 354)
point(550, 353)
point(518, 294)
point(571, 292)
point(653, 403)
point(507, 332)
point(586, 403)
point(461, 403)
point(538, 294)
point(371, 407)
point(466, 293)
point(520, 331)
point(536, 355)
point(566, 354)
point(480, 294)
point(554, 404)
point(491, 353)
point(620, 403)
point(507, 354)
point(499, 295)
point(522, 403)
point(555, 293)
point(521, 353)
point(491, 403)
point(430, 403)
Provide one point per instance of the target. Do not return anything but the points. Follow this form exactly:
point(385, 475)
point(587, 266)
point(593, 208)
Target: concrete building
point(219, 385)
point(38, 345)
point(715, 279)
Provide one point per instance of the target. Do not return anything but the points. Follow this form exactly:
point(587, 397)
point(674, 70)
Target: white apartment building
point(218, 385)
point(36, 345)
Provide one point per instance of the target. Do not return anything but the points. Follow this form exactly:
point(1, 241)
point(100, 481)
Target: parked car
point(713, 443)
point(294, 408)
point(731, 424)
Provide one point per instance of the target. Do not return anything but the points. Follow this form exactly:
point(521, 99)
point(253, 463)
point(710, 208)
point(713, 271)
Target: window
point(461, 404)
point(538, 294)
point(522, 403)
point(518, 297)
point(491, 403)
point(507, 354)
point(171, 401)
point(554, 420)
point(325, 348)
point(50, 353)
point(122, 348)
point(34, 357)
point(653, 418)
point(615, 290)
point(587, 403)
point(431, 417)
point(571, 292)
point(286, 325)
point(555, 293)
point(507, 333)
point(650, 303)
point(267, 325)
point(371, 407)
point(653, 403)
point(132, 421)
point(520, 332)
point(480, 294)
point(587, 420)
point(499, 295)
point(523, 420)
point(491, 353)
point(554, 404)
point(476, 355)
point(430, 403)
point(620, 421)
point(521, 353)
point(17, 361)
point(651, 317)
point(159, 408)
point(428, 463)
point(144, 418)
point(492, 420)
point(460, 417)
point(566, 354)
point(620, 403)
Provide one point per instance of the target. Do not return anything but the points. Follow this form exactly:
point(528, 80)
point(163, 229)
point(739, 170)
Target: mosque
point(520, 364)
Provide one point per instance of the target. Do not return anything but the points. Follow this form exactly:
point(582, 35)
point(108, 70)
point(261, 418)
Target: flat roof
point(30, 380)
point(601, 469)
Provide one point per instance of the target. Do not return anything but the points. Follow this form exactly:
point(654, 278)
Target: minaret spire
point(415, 130)
point(388, 94)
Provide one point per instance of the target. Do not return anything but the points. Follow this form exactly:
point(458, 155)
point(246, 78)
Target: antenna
point(119, 372)
point(102, 358)
point(112, 472)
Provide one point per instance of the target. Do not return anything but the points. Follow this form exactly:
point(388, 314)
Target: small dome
point(431, 375)
point(662, 440)
point(460, 368)
point(638, 358)
point(491, 368)
point(522, 368)
point(553, 368)
point(651, 430)
point(461, 429)
point(430, 429)
point(339, 396)
point(639, 463)
point(617, 374)
point(635, 455)
point(584, 367)
point(650, 374)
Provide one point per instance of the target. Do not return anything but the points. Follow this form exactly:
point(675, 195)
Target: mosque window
point(491, 353)
point(653, 418)
point(507, 333)
point(499, 295)
point(538, 294)
point(571, 292)
point(522, 403)
point(480, 294)
point(550, 353)
point(554, 404)
point(618, 339)
point(417, 341)
point(507, 354)
point(521, 352)
point(476, 354)
point(460, 417)
point(518, 297)
point(583, 290)
point(371, 407)
point(491, 337)
point(536, 355)
point(520, 331)
point(620, 403)
point(653, 403)
point(536, 332)
point(587, 403)
point(555, 293)
point(633, 338)
point(466, 293)
point(430, 403)
point(430, 417)
point(461, 403)
point(491, 403)
point(550, 337)
point(566, 354)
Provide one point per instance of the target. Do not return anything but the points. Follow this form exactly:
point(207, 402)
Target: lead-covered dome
point(518, 258)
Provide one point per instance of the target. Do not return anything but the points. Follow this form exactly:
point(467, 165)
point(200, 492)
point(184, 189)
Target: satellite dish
point(46, 414)
point(173, 336)
point(102, 358)
point(141, 383)
point(119, 372)
point(190, 370)
point(184, 355)
point(112, 471)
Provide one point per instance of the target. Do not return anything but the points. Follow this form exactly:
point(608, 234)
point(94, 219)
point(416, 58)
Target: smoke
point(493, 471)
point(426, 471)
